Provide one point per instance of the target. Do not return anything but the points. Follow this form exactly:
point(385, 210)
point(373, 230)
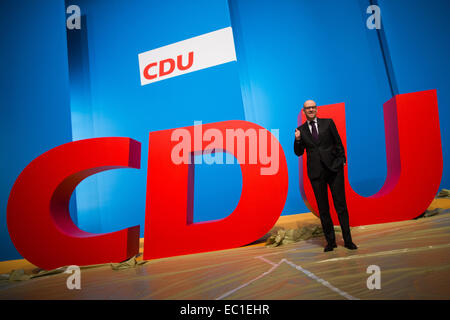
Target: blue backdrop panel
point(34, 92)
point(418, 38)
point(291, 51)
point(115, 104)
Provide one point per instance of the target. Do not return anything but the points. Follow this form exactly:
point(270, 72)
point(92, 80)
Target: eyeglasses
point(310, 108)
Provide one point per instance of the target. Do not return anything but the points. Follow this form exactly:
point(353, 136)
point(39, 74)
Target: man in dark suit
point(325, 167)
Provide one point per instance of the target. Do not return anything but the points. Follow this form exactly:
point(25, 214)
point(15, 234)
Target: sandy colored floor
point(287, 222)
point(413, 258)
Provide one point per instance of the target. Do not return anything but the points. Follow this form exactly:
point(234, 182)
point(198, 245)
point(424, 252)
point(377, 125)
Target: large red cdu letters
point(169, 230)
point(414, 162)
point(38, 216)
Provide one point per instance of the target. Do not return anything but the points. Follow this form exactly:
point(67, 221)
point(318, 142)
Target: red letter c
point(38, 216)
point(147, 68)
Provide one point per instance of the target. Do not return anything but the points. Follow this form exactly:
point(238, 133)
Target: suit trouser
point(336, 182)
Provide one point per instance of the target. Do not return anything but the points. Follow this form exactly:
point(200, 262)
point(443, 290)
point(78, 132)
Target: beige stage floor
point(413, 258)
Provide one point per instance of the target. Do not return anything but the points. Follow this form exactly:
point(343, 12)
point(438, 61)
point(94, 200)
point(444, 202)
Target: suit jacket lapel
point(322, 126)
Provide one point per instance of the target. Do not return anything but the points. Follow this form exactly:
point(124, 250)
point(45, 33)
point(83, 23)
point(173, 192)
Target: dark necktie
point(314, 133)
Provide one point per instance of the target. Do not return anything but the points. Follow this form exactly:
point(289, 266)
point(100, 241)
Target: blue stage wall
point(418, 36)
point(34, 92)
point(59, 85)
point(320, 50)
point(115, 103)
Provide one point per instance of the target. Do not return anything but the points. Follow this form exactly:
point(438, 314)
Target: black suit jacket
point(327, 151)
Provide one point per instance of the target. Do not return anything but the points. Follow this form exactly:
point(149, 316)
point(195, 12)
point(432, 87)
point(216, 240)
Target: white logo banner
point(204, 51)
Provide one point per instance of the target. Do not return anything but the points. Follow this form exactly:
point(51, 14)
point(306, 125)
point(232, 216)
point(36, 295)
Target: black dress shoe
point(351, 246)
point(329, 247)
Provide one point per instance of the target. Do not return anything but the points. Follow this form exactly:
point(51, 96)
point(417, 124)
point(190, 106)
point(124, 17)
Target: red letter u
point(180, 61)
point(413, 175)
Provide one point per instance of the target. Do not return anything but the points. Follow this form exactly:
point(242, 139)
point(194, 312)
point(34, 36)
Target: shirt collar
point(315, 119)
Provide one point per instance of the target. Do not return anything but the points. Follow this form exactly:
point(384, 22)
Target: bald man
point(325, 167)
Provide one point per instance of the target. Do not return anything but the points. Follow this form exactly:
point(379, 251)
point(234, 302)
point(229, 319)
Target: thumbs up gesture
point(297, 134)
